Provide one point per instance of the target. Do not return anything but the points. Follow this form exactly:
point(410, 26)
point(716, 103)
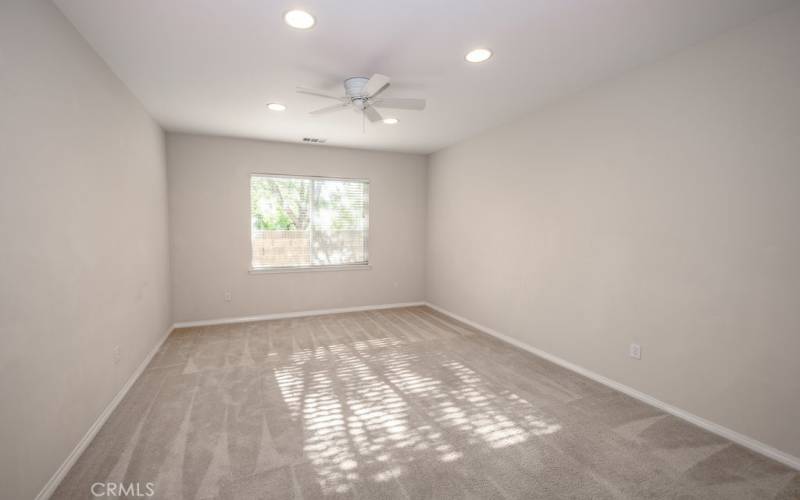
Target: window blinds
point(308, 221)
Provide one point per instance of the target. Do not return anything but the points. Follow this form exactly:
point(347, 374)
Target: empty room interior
point(518, 249)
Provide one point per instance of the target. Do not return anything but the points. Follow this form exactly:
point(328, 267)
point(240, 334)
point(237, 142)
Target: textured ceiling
point(211, 66)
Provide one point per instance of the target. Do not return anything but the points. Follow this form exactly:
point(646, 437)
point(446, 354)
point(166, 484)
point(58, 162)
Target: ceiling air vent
point(314, 140)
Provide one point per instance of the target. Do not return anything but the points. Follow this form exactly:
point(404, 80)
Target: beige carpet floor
point(401, 403)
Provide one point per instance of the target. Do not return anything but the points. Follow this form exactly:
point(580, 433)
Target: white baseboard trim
point(747, 442)
point(51, 485)
point(296, 314)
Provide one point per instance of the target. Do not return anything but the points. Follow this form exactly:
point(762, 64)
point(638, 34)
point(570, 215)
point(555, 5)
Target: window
point(298, 222)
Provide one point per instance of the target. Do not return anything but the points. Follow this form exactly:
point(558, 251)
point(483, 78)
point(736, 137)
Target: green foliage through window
point(299, 221)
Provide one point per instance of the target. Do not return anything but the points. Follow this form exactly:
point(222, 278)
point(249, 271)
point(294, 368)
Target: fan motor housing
point(354, 87)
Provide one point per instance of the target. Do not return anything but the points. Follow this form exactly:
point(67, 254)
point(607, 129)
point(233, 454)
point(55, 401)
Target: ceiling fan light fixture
point(299, 19)
point(364, 95)
point(276, 106)
point(478, 55)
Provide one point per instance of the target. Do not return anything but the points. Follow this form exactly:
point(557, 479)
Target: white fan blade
point(329, 109)
point(372, 114)
point(320, 93)
point(376, 85)
point(399, 103)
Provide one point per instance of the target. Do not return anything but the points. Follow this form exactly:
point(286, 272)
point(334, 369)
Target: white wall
point(209, 197)
point(84, 252)
point(660, 208)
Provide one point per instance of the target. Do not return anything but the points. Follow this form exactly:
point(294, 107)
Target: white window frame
point(323, 267)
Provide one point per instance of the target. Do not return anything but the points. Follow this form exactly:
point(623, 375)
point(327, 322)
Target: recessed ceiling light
point(299, 19)
point(478, 55)
point(391, 121)
point(275, 106)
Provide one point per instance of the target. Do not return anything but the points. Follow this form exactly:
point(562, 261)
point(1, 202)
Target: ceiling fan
point(362, 95)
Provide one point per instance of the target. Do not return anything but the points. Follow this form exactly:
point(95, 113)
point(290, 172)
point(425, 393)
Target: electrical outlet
point(228, 296)
point(635, 351)
point(116, 354)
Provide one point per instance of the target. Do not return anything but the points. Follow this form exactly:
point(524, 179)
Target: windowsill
point(276, 270)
